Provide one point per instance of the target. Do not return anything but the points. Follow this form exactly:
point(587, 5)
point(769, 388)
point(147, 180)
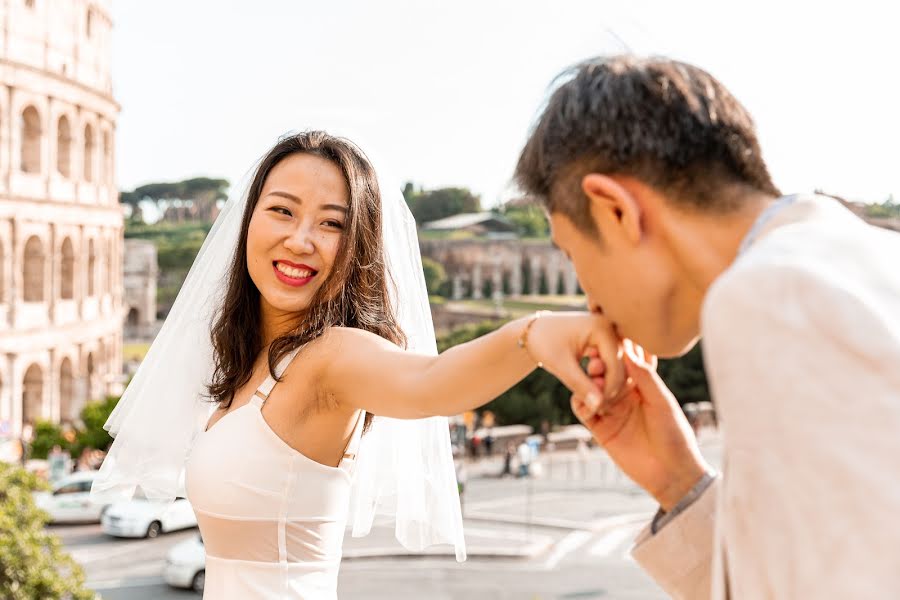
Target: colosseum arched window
point(33, 270)
point(33, 394)
point(92, 267)
point(2, 273)
point(67, 271)
point(88, 152)
point(31, 140)
point(64, 147)
point(110, 261)
point(106, 159)
point(66, 391)
point(91, 384)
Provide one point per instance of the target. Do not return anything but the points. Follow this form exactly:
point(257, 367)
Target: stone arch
point(91, 369)
point(110, 263)
point(33, 270)
point(31, 140)
point(134, 317)
point(92, 268)
point(102, 358)
point(33, 394)
point(89, 144)
point(106, 158)
point(64, 147)
point(67, 271)
point(66, 391)
point(2, 272)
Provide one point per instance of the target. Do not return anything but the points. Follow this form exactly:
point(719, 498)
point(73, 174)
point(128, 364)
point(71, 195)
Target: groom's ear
point(614, 209)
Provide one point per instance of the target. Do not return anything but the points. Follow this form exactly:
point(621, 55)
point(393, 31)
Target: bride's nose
point(300, 241)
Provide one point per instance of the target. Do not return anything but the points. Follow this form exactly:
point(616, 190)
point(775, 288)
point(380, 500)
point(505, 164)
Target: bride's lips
point(292, 280)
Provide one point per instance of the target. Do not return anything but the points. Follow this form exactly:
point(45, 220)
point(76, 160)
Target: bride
point(305, 321)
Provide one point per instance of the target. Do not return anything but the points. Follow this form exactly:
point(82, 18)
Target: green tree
point(201, 191)
point(32, 561)
point(94, 415)
point(46, 435)
point(435, 275)
point(686, 376)
point(888, 208)
point(431, 205)
point(529, 219)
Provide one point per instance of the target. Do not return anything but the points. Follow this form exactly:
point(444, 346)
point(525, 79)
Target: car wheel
point(199, 581)
point(154, 529)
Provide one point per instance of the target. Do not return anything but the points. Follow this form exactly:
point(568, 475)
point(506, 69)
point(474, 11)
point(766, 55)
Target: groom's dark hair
point(669, 124)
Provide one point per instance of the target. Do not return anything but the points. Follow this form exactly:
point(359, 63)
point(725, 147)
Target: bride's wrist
point(525, 337)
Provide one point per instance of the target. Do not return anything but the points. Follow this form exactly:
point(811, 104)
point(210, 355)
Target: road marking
point(131, 582)
point(607, 544)
point(519, 501)
point(97, 552)
point(566, 546)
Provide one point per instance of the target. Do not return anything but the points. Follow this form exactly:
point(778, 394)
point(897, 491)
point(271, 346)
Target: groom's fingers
point(585, 414)
point(642, 370)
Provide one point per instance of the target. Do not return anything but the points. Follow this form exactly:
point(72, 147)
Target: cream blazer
point(801, 337)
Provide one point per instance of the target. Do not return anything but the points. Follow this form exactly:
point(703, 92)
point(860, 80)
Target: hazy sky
point(445, 93)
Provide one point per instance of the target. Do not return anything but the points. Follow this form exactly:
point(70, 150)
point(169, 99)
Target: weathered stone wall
point(61, 225)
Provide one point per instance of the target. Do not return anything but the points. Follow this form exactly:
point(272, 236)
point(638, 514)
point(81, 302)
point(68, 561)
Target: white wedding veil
point(405, 470)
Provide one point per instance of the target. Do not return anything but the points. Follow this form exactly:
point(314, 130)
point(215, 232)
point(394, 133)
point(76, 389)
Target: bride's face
point(295, 231)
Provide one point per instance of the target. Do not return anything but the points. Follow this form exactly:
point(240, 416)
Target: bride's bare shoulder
point(338, 338)
point(346, 342)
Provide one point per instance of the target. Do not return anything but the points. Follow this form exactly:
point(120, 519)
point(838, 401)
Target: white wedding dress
point(272, 519)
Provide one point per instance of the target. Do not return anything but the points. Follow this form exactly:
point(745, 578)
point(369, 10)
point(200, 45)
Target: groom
point(656, 189)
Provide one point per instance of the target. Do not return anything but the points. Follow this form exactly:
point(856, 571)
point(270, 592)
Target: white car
point(70, 500)
point(186, 565)
point(139, 517)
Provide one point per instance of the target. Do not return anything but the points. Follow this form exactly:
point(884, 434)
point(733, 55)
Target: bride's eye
point(281, 210)
point(334, 224)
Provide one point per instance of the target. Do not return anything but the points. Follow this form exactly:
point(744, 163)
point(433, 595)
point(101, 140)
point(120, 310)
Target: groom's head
point(633, 158)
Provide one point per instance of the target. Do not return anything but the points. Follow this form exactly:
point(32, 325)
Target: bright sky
point(445, 93)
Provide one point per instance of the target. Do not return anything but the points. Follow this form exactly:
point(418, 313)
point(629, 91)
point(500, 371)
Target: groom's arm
point(678, 556)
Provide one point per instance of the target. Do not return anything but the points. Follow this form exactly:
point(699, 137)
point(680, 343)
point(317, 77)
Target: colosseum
point(61, 307)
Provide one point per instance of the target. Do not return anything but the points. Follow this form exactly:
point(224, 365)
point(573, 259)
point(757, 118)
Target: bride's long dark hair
point(355, 294)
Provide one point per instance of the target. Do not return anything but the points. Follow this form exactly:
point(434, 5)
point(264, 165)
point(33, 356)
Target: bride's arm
point(363, 370)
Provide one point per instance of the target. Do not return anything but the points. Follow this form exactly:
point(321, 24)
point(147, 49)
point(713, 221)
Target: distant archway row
point(91, 163)
point(98, 275)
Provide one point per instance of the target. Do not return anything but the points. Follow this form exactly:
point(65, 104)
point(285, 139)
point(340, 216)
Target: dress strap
point(265, 388)
point(352, 448)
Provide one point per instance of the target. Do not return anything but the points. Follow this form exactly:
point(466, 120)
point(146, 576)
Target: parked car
point(139, 517)
point(186, 565)
point(70, 500)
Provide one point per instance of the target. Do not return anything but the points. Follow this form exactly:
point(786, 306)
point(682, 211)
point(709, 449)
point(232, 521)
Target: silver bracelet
point(662, 517)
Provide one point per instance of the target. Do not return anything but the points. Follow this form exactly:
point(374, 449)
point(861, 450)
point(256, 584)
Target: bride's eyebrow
point(287, 195)
point(293, 198)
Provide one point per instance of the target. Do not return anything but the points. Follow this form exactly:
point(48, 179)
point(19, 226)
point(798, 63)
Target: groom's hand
point(644, 430)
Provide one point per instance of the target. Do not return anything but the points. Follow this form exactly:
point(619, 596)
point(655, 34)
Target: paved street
point(565, 535)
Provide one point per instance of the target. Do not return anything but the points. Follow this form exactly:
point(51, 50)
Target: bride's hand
point(559, 341)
